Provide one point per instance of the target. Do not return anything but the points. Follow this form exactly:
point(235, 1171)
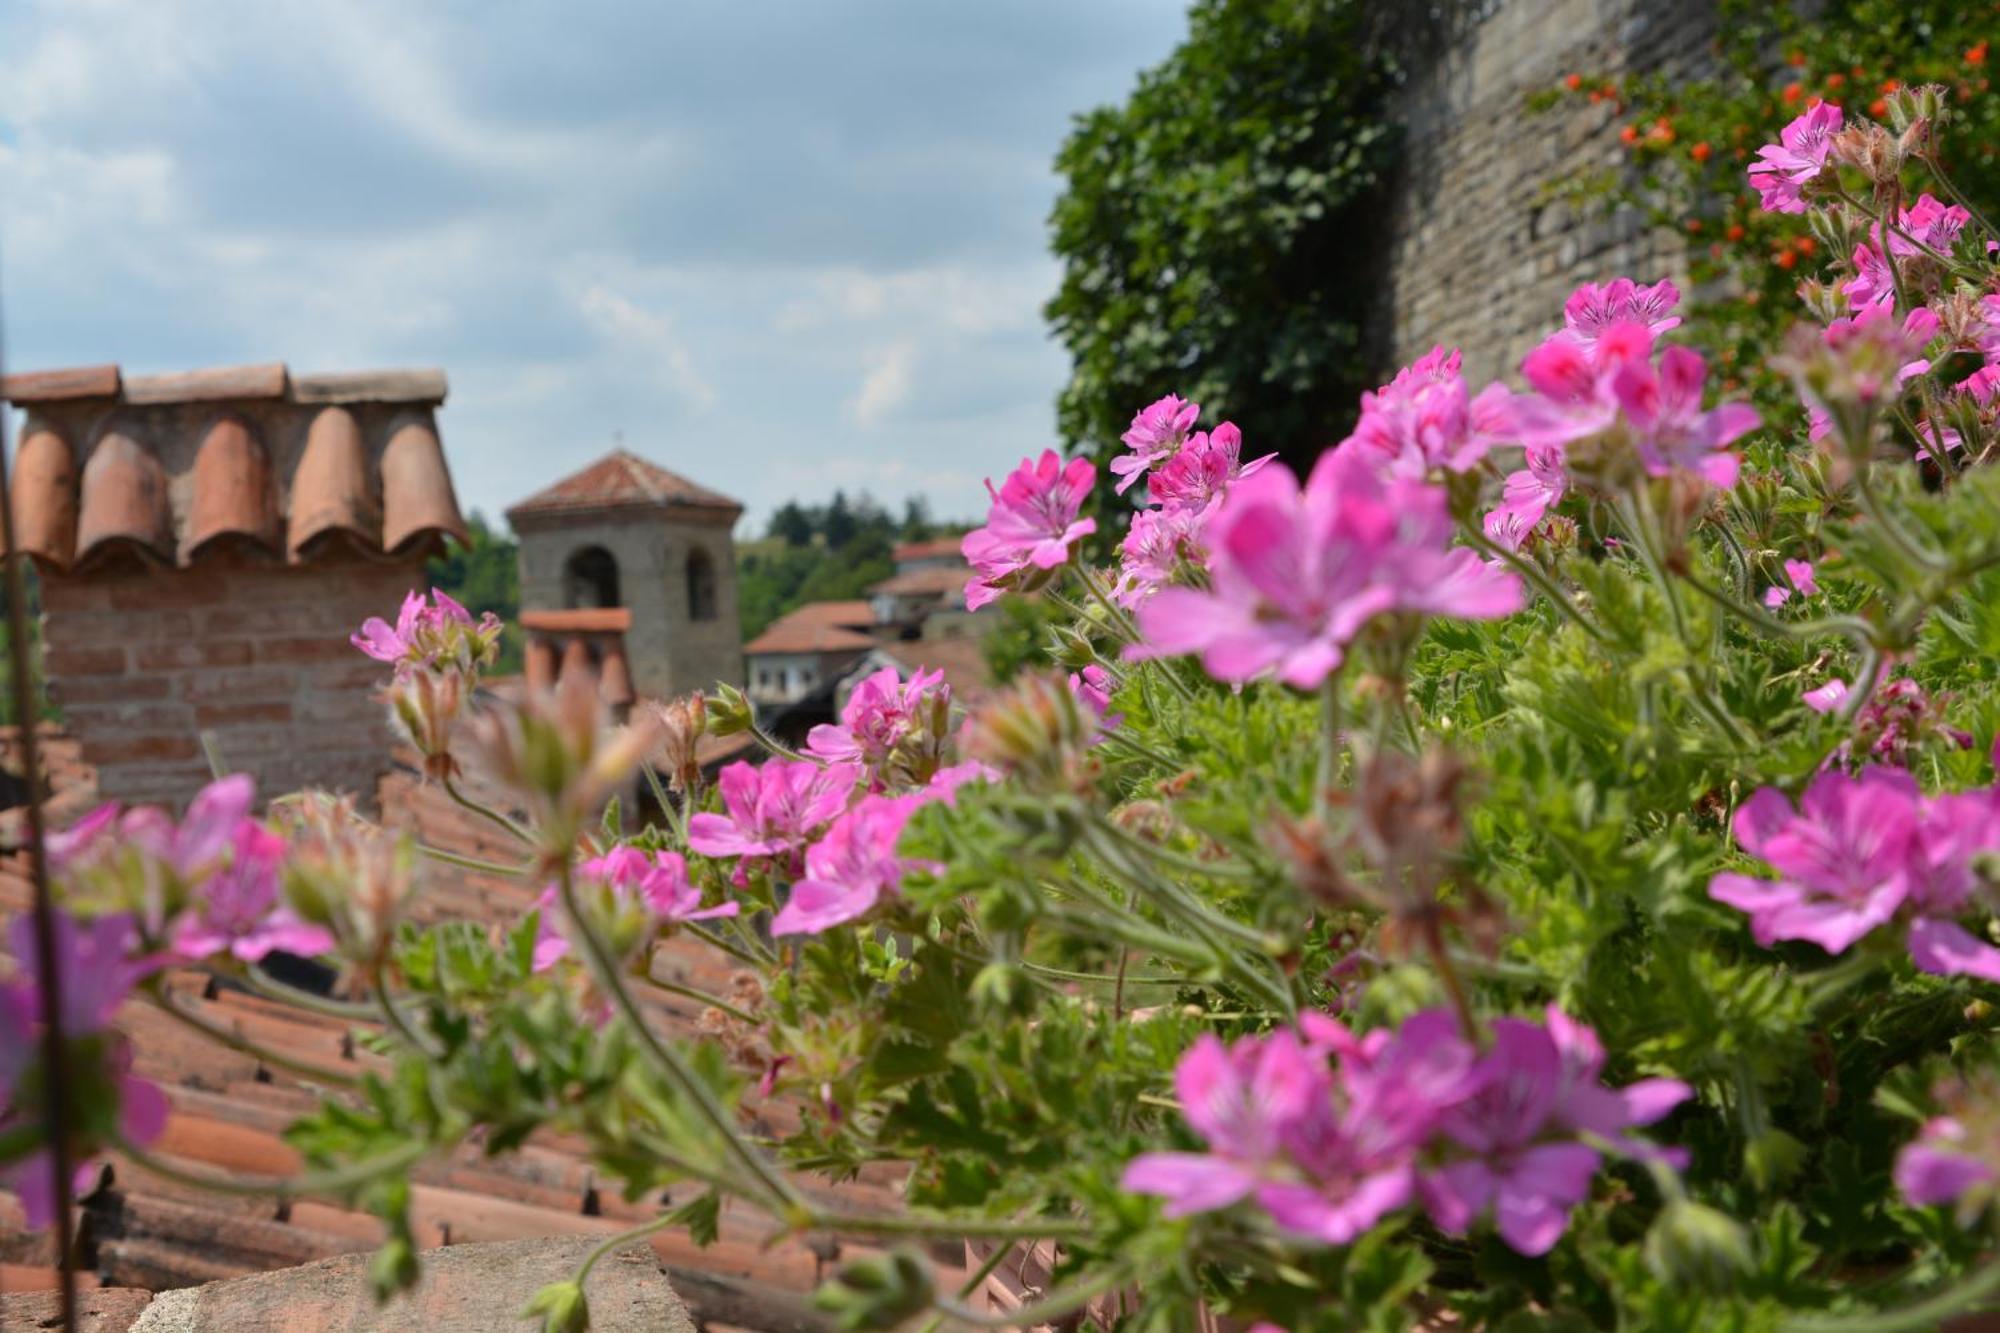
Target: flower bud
point(879, 1292)
point(730, 713)
point(683, 721)
point(1696, 1245)
point(559, 753)
point(423, 706)
point(1034, 728)
point(1871, 150)
point(1919, 108)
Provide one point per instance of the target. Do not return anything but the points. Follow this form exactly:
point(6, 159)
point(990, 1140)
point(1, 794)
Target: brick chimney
point(206, 542)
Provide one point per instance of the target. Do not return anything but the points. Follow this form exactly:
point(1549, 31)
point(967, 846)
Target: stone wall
point(1480, 257)
point(142, 661)
point(670, 653)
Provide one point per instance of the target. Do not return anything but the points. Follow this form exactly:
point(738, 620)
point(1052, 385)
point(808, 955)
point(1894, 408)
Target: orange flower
point(1694, 226)
point(1701, 151)
point(1661, 132)
point(1977, 55)
point(1793, 92)
point(1878, 108)
point(1735, 231)
point(1891, 85)
point(1806, 245)
point(1573, 82)
point(1788, 259)
point(1795, 58)
point(1835, 80)
point(1628, 135)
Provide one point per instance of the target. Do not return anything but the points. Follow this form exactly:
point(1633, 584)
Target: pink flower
point(1930, 223)
point(1591, 308)
point(1202, 472)
point(1157, 432)
point(1527, 496)
point(1943, 1164)
point(1157, 544)
point(851, 869)
point(1672, 431)
point(1030, 528)
point(1295, 574)
point(772, 811)
point(95, 974)
point(660, 882)
point(881, 714)
point(1827, 697)
point(1784, 169)
point(1860, 852)
point(1873, 283)
point(1800, 574)
point(1092, 687)
point(426, 634)
point(1538, 1087)
point(1426, 419)
point(238, 910)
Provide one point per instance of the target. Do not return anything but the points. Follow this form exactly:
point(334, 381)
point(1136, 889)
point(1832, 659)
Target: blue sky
point(783, 246)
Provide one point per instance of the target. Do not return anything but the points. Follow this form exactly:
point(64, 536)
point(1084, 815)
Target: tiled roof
point(622, 480)
point(847, 615)
point(935, 579)
point(934, 548)
point(790, 636)
point(229, 1112)
point(167, 467)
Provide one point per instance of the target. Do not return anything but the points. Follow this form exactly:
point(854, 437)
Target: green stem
point(399, 1023)
point(668, 809)
point(236, 1041)
point(1528, 570)
point(1907, 545)
point(1958, 195)
point(1975, 1292)
point(710, 937)
point(1329, 746)
point(272, 989)
point(770, 742)
point(336, 1180)
point(487, 813)
point(473, 862)
point(612, 1244)
point(945, 1228)
point(604, 971)
point(703, 997)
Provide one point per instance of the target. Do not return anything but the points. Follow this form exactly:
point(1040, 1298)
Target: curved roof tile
point(614, 684)
point(623, 480)
point(124, 502)
point(45, 497)
point(232, 491)
point(331, 500)
point(417, 500)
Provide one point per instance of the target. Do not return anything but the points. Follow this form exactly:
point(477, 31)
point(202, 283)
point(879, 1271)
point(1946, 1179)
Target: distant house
point(925, 597)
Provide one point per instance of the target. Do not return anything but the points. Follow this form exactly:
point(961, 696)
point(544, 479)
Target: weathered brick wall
point(1480, 257)
point(143, 662)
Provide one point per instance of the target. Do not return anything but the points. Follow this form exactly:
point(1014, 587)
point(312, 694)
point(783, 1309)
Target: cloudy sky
point(783, 246)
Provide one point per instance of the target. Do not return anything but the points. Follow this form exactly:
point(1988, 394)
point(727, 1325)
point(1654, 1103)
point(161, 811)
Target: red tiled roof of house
point(934, 579)
point(933, 548)
point(229, 1112)
point(847, 615)
point(622, 480)
point(792, 636)
point(167, 467)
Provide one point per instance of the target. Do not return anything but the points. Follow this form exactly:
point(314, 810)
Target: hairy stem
point(487, 813)
point(236, 1041)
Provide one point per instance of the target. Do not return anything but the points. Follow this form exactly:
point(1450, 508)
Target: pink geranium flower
point(1670, 429)
point(238, 909)
point(1526, 497)
point(1944, 1164)
point(659, 881)
point(1798, 573)
point(427, 632)
point(1030, 528)
point(772, 811)
point(95, 973)
point(1157, 432)
point(1426, 419)
point(851, 869)
point(1295, 573)
point(1592, 308)
point(1158, 543)
point(1784, 169)
point(1203, 471)
point(882, 713)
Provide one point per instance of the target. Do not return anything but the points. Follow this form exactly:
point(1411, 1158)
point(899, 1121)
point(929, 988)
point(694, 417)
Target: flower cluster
point(1860, 852)
point(1955, 1157)
point(1425, 420)
point(203, 886)
point(655, 887)
point(1296, 572)
point(95, 971)
point(896, 730)
point(1329, 1133)
point(1031, 527)
point(433, 634)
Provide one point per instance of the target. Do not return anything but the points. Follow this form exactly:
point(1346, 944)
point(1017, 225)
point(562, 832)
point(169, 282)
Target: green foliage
point(1215, 229)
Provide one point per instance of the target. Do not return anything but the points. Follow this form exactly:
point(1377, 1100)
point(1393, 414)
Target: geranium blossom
point(1295, 573)
point(95, 973)
point(1538, 1087)
point(1944, 1164)
point(1204, 469)
point(882, 713)
point(1157, 432)
point(660, 882)
point(771, 811)
point(1784, 169)
point(1859, 852)
point(1426, 418)
point(1526, 496)
point(427, 633)
point(1031, 526)
point(1593, 307)
point(851, 869)
point(1799, 574)
point(1158, 543)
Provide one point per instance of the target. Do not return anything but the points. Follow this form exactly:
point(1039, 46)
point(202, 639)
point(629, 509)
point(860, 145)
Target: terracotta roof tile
point(622, 480)
point(942, 579)
point(579, 620)
point(797, 637)
point(847, 615)
point(934, 548)
point(186, 462)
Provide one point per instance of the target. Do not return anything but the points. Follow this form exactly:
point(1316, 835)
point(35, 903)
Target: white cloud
point(649, 337)
point(886, 386)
